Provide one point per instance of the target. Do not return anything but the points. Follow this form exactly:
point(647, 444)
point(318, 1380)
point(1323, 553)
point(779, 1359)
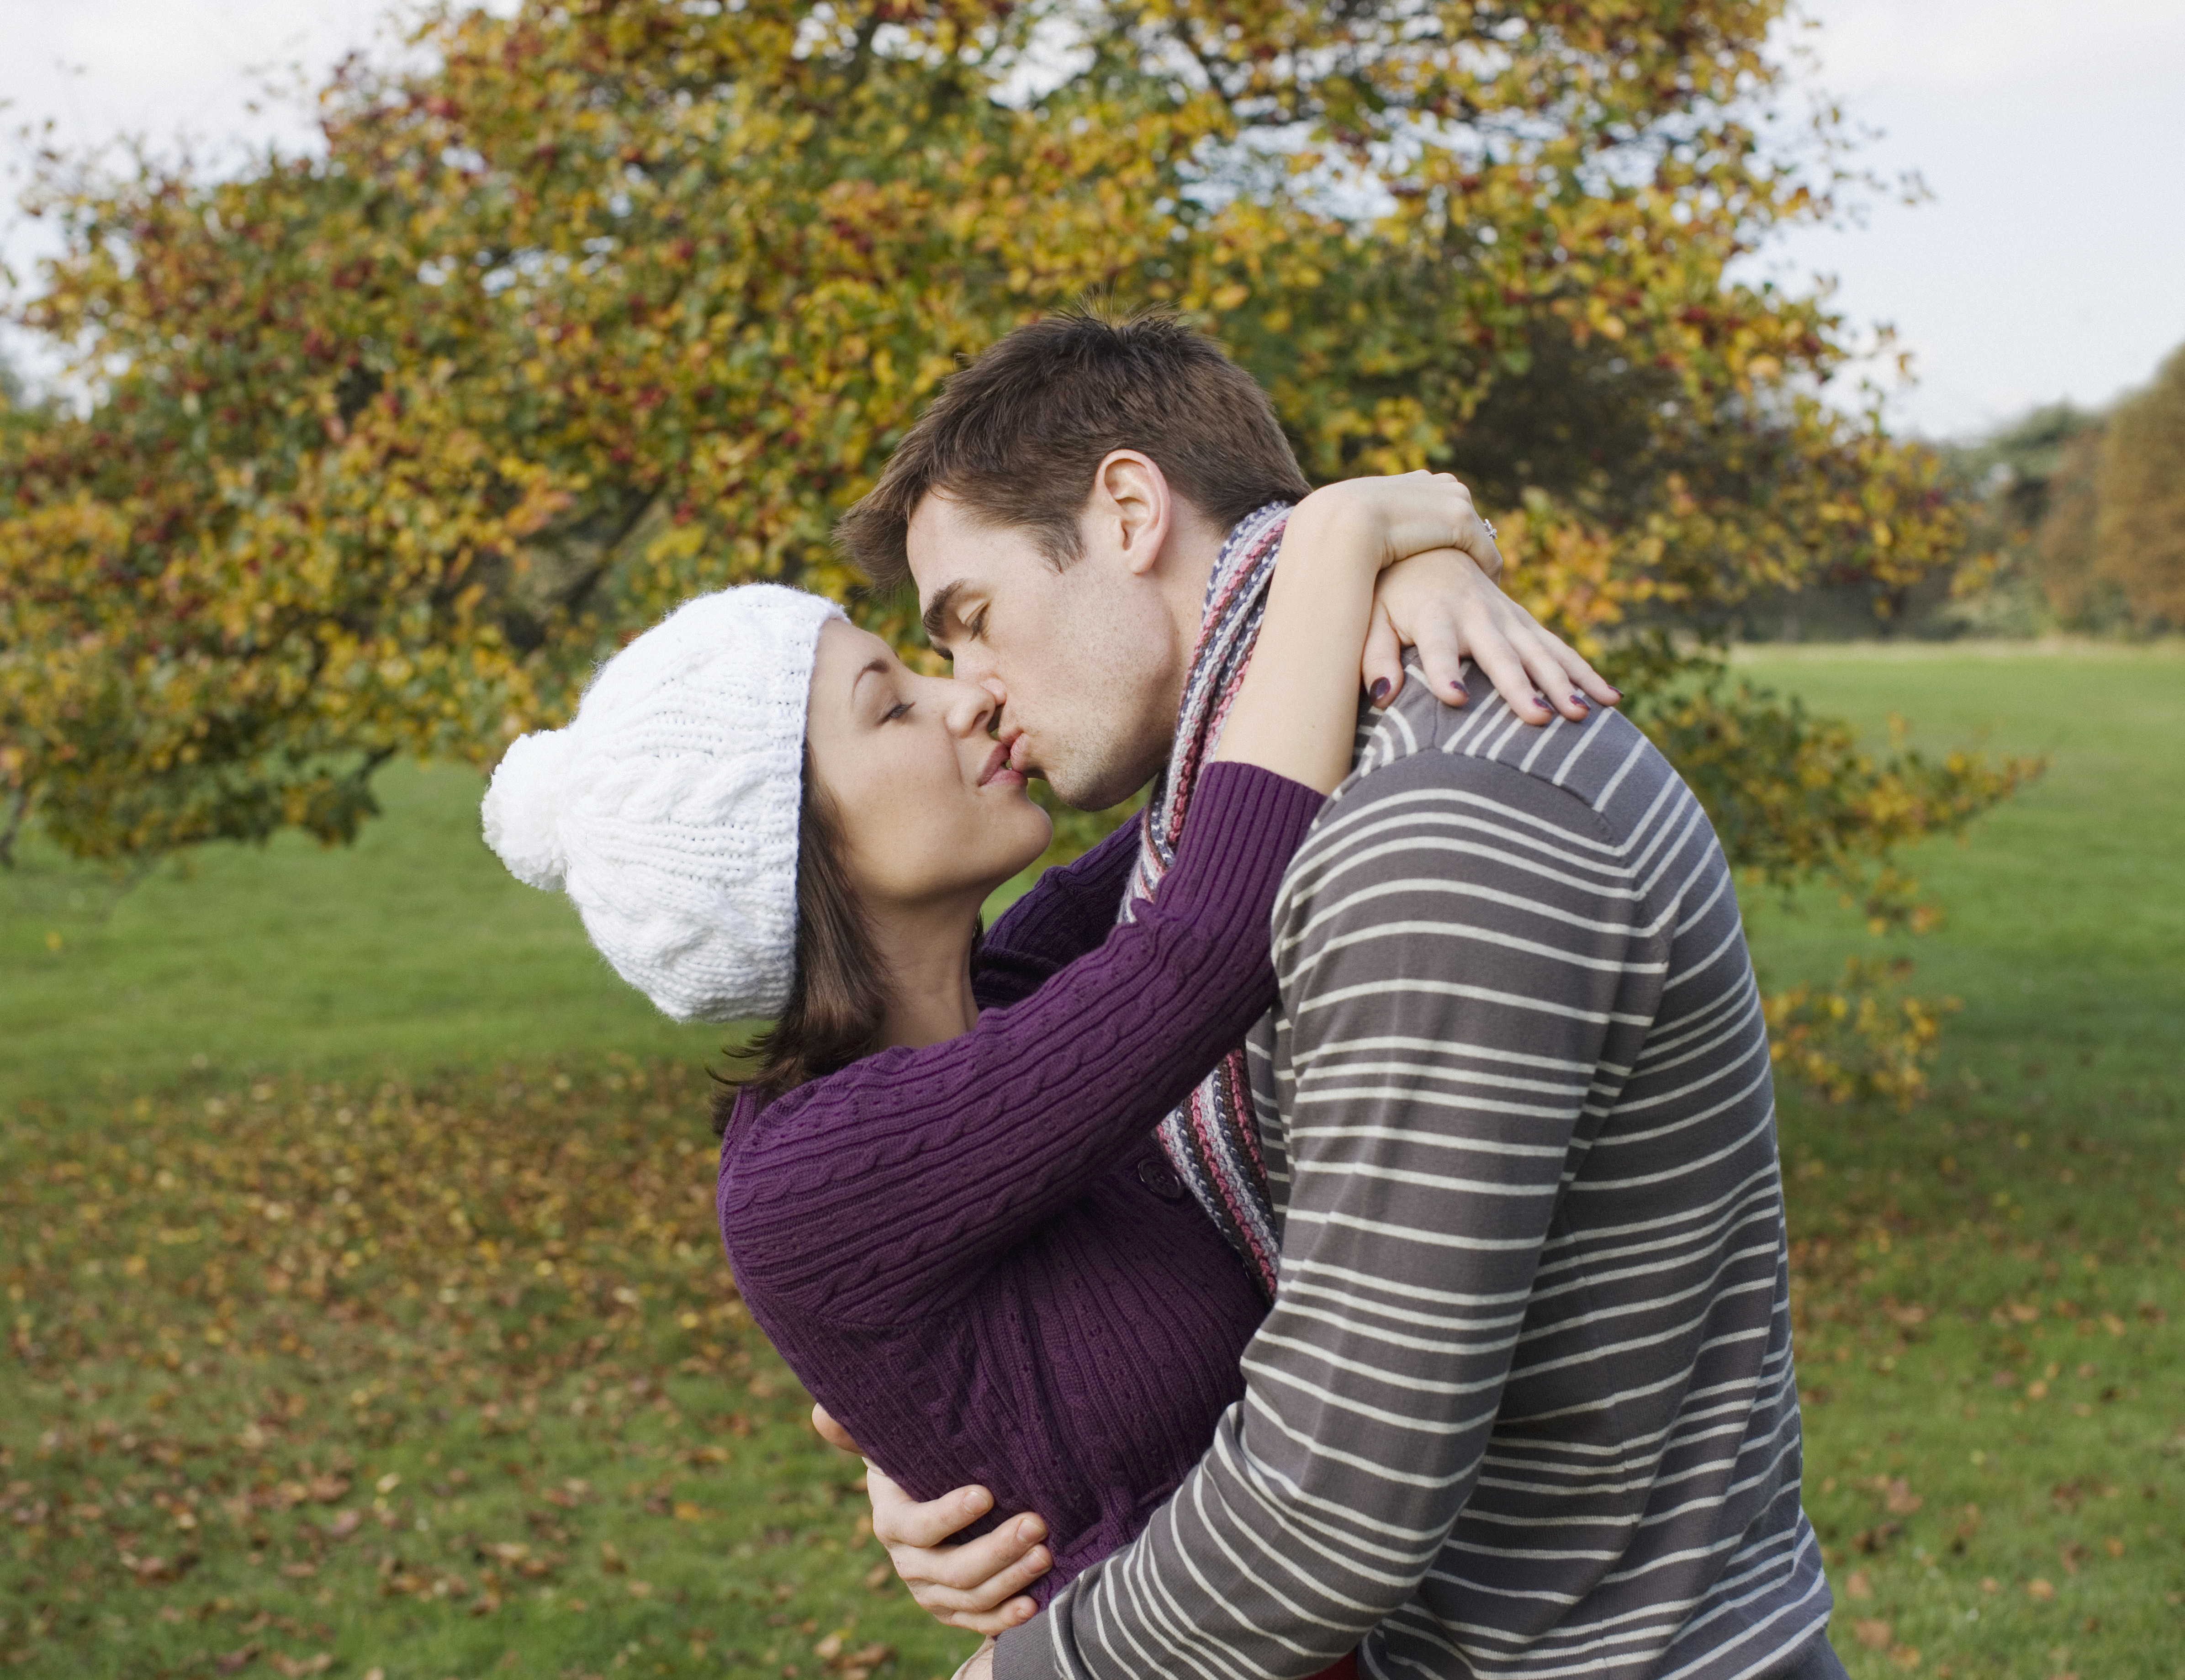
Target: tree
point(2028, 487)
point(2139, 529)
point(2063, 543)
point(615, 300)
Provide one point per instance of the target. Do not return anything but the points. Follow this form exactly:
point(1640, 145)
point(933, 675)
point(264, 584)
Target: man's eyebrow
point(936, 614)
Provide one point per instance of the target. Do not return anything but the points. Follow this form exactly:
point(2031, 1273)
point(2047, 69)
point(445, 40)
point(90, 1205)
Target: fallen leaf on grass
point(345, 1524)
point(1904, 1656)
point(1877, 1538)
point(879, 1576)
point(234, 1663)
point(1874, 1635)
point(157, 1572)
point(2041, 1589)
point(295, 1668)
point(1857, 1587)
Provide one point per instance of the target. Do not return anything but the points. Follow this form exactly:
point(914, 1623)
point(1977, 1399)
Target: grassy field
point(1989, 1288)
point(414, 950)
point(392, 1334)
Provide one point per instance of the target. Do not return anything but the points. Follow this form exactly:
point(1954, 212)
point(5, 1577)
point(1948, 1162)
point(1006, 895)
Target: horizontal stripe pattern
point(1524, 1405)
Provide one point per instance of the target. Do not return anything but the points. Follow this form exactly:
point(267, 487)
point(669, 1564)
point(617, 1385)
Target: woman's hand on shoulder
point(1437, 592)
point(1403, 514)
point(1438, 603)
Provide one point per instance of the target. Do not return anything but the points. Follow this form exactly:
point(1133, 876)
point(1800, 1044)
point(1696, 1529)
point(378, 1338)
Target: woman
point(940, 1190)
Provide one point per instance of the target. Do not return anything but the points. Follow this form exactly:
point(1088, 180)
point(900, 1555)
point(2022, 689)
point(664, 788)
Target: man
point(1504, 1152)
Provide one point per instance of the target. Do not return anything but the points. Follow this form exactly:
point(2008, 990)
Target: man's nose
point(1006, 729)
point(970, 706)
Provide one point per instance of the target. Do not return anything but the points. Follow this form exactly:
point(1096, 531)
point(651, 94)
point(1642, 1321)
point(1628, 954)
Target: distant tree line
point(2086, 509)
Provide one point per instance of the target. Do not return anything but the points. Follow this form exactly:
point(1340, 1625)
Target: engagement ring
point(1490, 524)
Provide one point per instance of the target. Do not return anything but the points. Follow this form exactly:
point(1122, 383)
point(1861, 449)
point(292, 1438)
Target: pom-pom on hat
point(667, 808)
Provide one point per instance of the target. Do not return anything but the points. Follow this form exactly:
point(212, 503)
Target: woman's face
point(928, 805)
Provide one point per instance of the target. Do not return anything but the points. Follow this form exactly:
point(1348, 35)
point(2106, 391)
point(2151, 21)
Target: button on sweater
point(974, 1254)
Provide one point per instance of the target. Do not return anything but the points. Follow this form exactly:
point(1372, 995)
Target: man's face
point(1085, 656)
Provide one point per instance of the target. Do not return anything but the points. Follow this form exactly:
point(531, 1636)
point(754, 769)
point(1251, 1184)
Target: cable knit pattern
point(975, 1255)
point(1070, 911)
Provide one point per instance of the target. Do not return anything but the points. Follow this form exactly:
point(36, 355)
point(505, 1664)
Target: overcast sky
point(2049, 263)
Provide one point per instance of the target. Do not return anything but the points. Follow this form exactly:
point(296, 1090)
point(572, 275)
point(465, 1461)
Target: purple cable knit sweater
point(975, 1255)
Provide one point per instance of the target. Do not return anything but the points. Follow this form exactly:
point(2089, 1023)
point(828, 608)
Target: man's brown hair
point(1016, 436)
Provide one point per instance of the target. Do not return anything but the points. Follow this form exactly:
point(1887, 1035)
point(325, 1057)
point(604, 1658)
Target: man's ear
point(1130, 510)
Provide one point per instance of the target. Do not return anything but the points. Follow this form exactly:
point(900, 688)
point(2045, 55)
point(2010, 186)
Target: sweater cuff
point(1245, 825)
point(1025, 1653)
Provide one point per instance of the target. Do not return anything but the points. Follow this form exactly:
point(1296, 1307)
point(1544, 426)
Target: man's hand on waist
point(977, 1585)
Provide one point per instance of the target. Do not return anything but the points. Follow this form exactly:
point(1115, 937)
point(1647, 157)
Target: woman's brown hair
point(838, 998)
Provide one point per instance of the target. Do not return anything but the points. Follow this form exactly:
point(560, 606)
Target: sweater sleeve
point(1449, 976)
point(1070, 910)
point(883, 1191)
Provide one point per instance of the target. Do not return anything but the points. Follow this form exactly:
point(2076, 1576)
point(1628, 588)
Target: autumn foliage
point(2140, 527)
point(615, 301)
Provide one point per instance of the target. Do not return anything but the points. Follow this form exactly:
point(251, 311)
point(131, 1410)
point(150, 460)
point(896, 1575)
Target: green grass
point(412, 951)
point(436, 1209)
point(2065, 907)
point(433, 1381)
point(1989, 1289)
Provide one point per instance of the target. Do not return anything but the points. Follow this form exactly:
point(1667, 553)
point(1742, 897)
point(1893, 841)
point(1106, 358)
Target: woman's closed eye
point(896, 713)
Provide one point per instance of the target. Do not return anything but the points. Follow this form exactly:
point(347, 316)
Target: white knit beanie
point(667, 808)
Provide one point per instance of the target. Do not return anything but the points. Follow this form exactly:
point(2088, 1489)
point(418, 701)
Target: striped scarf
point(1213, 1138)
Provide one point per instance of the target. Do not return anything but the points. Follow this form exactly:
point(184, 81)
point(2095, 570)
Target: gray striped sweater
point(1524, 1404)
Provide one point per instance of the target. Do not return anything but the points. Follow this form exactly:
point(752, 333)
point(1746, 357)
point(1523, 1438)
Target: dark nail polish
point(1458, 693)
point(1541, 700)
point(1577, 700)
point(1380, 690)
point(1618, 692)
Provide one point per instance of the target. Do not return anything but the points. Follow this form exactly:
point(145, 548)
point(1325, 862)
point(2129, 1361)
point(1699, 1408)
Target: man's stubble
point(1103, 718)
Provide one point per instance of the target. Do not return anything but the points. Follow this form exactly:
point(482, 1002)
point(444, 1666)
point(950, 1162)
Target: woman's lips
point(998, 769)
